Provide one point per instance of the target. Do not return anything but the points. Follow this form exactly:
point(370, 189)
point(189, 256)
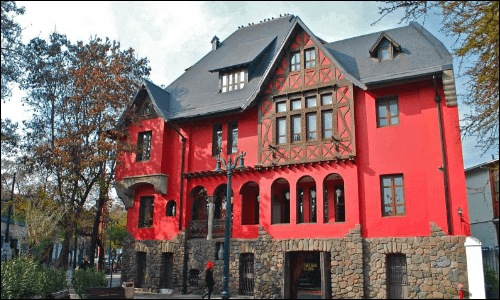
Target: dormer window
point(385, 48)
point(232, 81)
point(385, 54)
point(147, 109)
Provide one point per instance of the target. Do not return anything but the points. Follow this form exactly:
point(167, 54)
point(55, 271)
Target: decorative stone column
point(210, 217)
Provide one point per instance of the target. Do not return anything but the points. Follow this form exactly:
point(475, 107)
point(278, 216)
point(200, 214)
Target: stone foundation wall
point(435, 264)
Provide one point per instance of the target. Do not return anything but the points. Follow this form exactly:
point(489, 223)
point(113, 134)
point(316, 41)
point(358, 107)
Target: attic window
point(232, 81)
point(147, 109)
point(385, 54)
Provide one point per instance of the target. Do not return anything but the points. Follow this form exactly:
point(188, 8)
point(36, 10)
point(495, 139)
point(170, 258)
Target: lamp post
point(229, 168)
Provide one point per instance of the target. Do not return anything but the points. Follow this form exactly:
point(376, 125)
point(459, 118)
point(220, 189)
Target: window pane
point(281, 131)
point(398, 180)
point(327, 124)
point(400, 209)
point(387, 195)
point(382, 110)
point(386, 182)
point(224, 80)
point(311, 102)
point(382, 122)
point(236, 81)
point(393, 107)
point(242, 76)
point(394, 120)
point(387, 210)
point(384, 53)
point(281, 107)
point(235, 140)
point(296, 104)
point(399, 195)
point(311, 126)
point(326, 99)
point(296, 128)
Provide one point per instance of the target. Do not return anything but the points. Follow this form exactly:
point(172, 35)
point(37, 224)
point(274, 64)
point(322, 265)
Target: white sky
point(175, 35)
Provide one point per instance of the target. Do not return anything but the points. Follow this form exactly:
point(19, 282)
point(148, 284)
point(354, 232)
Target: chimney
point(215, 43)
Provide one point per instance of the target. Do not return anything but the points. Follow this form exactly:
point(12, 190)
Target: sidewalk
point(179, 296)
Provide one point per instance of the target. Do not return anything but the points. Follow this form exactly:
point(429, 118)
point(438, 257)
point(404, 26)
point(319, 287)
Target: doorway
point(246, 274)
point(167, 262)
point(307, 275)
point(141, 270)
point(397, 283)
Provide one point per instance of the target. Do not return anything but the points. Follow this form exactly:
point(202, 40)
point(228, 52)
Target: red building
point(352, 177)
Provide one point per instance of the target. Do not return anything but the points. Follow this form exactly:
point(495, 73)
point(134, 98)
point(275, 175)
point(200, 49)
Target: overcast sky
point(175, 35)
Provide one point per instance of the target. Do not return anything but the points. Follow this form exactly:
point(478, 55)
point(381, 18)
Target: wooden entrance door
point(246, 274)
point(397, 283)
point(326, 283)
point(141, 270)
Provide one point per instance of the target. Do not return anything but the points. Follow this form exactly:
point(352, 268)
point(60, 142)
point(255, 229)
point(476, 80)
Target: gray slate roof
point(196, 93)
point(421, 54)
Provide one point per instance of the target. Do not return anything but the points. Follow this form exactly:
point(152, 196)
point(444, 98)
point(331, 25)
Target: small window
point(281, 107)
point(311, 102)
point(326, 99)
point(217, 140)
point(233, 81)
point(295, 61)
point(281, 130)
point(327, 124)
point(296, 104)
point(144, 145)
point(171, 208)
point(385, 54)
point(232, 138)
point(387, 112)
point(147, 108)
point(296, 128)
point(393, 199)
point(310, 57)
point(311, 126)
point(194, 276)
point(146, 210)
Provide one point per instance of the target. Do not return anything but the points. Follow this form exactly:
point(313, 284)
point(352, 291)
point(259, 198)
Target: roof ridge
point(290, 16)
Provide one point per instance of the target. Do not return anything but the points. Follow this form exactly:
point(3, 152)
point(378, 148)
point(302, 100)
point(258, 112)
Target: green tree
point(474, 24)
point(11, 47)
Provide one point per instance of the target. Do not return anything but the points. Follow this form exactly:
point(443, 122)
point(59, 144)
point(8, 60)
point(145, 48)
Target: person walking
point(85, 263)
point(209, 278)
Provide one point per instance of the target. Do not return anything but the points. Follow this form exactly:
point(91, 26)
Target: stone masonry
point(436, 264)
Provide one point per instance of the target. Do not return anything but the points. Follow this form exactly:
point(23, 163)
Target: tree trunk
point(65, 248)
point(95, 231)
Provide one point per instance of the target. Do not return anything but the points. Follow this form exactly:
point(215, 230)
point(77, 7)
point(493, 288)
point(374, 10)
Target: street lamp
point(229, 167)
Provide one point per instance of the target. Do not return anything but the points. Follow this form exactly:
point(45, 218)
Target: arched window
point(333, 199)
point(199, 199)
point(280, 208)
point(220, 198)
point(171, 208)
point(250, 203)
point(306, 200)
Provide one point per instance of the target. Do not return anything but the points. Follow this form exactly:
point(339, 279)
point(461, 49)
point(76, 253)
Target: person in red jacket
point(209, 278)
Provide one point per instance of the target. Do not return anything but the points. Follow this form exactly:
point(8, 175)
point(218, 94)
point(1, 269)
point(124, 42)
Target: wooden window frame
point(215, 129)
point(393, 187)
point(235, 80)
point(385, 101)
point(230, 132)
point(311, 62)
point(289, 114)
point(389, 52)
point(146, 212)
point(297, 66)
point(278, 130)
point(145, 149)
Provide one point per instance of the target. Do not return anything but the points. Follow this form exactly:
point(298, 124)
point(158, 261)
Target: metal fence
point(490, 260)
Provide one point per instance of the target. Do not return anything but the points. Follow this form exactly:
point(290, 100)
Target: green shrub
point(85, 279)
point(23, 278)
point(491, 278)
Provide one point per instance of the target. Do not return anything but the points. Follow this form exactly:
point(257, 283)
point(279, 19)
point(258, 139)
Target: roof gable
point(383, 37)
